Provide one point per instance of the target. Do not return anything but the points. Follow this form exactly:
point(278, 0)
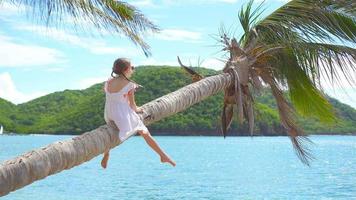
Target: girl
point(121, 109)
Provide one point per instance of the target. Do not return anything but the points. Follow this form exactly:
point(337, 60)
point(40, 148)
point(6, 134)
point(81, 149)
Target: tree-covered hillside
point(77, 111)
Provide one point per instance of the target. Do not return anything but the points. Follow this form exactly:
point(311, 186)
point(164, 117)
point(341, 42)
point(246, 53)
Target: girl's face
point(129, 71)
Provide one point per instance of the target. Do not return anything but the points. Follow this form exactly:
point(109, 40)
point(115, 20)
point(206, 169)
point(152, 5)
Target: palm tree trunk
point(40, 163)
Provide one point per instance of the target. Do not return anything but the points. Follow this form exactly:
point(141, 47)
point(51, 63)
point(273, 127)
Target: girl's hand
point(139, 110)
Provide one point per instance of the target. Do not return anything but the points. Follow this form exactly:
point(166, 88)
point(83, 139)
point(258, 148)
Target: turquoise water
point(207, 168)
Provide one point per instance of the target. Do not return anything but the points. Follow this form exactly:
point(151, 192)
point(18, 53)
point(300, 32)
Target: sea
point(207, 168)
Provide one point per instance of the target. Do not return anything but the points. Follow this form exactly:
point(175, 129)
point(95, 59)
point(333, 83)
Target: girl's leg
point(153, 144)
point(105, 159)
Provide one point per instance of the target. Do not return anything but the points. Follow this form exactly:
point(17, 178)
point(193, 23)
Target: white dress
point(118, 110)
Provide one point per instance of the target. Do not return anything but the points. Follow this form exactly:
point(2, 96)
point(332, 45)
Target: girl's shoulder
point(119, 82)
point(115, 85)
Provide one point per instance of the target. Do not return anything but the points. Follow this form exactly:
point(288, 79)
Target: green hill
point(77, 111)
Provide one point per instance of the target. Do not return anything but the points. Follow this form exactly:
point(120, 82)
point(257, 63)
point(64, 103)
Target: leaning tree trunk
point(40, 163)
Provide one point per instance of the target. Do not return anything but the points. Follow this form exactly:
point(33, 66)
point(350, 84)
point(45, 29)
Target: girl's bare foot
point(104, 161)
point(167, 159)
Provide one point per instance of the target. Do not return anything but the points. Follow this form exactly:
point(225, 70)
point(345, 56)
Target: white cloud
point(59, 35)
point(56, 69)
point(9, 91)
point(7, 9)
point(125, 52)
point(179, 35)
point(14, 54)
point(95, 46)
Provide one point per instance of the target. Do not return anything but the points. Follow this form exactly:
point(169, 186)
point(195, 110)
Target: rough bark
point(54, 158)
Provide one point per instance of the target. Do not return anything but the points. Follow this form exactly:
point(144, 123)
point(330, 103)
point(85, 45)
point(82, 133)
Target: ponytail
point(131, 81)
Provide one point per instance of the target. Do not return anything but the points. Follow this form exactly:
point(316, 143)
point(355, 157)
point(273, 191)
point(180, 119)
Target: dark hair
point(119, 66)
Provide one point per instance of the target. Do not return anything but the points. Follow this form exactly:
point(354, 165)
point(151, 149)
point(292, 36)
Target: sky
point(35, 60)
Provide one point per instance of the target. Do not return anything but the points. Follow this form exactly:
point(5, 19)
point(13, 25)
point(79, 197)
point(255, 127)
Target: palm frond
point(302, 64)
point(248, 104)
point(226, 118)
point(305, 96)
point(343, 5)
point(248, 19)
point(315, 21)
point(287, 118)
point(335, 63)
point(195, 75)
point(109, 15)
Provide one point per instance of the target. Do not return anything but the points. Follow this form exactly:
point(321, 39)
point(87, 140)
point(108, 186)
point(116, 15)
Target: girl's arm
point(131, 97)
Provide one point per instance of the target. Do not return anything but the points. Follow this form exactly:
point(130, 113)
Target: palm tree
point(292, 48)
point(105, 15)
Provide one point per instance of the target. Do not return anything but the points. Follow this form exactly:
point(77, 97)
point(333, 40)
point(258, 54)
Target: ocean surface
point(207, 168)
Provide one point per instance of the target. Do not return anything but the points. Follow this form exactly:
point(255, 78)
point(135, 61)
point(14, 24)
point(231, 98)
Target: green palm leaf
point(110, 15)
point(307, 99)
point(317, 21)
point(334, 62)
point(248, 18)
